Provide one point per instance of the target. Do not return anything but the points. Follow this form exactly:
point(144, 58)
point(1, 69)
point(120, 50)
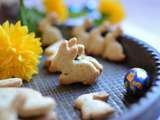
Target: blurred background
point(142, 16)
point(141, 13)
point(143, 19)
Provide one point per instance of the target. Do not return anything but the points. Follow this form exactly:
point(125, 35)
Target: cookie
point(11, 82)
point(48, 116)
point(96, 40)
point(87, 24)
point(72, 67)
point(92, 60)
point(50, 50)
point(50, 34)
point(35, 104)
point(93, 106)
point(117, 32)
point(10, 105)
point(80, 32)
point(113, 49)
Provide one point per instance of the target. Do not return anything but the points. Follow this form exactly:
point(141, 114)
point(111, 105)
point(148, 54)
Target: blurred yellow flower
point(19, 51)
point(113, 9)
point(57, 6)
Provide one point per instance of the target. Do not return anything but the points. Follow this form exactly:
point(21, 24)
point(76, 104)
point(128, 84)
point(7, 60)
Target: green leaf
point(100, 20)
point(30, 17)
point(75, 15)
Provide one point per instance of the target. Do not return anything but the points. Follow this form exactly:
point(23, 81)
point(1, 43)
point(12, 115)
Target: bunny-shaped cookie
point(81, 32)
point(52, 50)
point(113, 49)
point(93, 106)
point(96, 40)
point(50, 34)
point(73, 69)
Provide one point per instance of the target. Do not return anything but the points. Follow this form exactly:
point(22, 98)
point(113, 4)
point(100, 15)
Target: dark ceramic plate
point(139, 54)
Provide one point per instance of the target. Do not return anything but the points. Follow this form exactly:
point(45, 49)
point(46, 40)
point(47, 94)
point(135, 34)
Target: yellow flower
point(19, 51)
point(57, 6)
point(112, 8)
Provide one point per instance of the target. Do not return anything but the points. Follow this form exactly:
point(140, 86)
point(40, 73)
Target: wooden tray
point(139, 54)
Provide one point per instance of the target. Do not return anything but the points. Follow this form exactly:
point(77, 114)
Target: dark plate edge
point(141, 110)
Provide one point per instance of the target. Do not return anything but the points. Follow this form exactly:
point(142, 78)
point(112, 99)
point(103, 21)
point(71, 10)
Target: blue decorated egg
point(136, 81)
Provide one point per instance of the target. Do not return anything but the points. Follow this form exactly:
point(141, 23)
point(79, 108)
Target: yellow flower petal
point(57, 6)
point(112, 8)
point(19, 51)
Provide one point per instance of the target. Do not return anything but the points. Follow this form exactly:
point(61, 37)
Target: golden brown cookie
point(50, 50)
point(117, 32)
point(93, 106)
point(81, 33)
point(50, 34)
point(96, 43)
point(113, 49)
point(92, 60)
point(67, 60)
point(96, 40)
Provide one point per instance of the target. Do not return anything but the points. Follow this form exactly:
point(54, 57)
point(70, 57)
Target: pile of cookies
point(101, 40)
point(98, 41)
point(70, 58)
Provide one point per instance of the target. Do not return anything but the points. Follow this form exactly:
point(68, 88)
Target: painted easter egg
point(136, 81)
